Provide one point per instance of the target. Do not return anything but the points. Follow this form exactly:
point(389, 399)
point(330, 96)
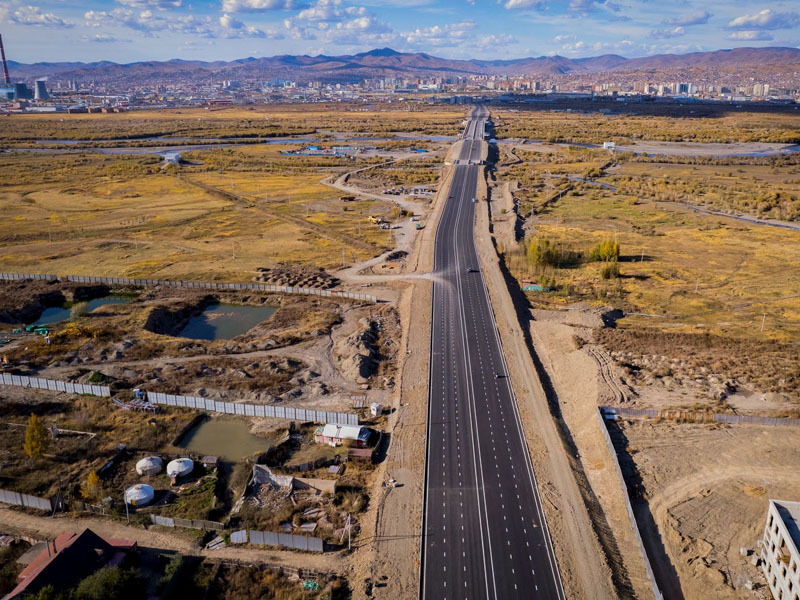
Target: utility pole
point(642, 259)
point(763, 320)
point(125, 500)
point(343, 257)
point(696, 285)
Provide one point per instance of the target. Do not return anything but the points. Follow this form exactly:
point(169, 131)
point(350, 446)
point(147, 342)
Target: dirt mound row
point(296, 276)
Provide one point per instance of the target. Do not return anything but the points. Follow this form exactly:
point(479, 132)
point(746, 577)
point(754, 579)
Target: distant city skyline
point(136, 30)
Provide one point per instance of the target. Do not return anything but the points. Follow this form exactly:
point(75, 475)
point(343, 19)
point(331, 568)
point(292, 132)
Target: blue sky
point(133, 30)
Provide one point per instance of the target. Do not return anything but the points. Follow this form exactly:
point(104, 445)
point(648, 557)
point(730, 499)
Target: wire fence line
point(20, 499)
point(254, 410)
point(198, 285)
point(231, 408)
point(55, 386)
point(286, 540)
point(697, 416)
point(186, 523)
point(648, 567)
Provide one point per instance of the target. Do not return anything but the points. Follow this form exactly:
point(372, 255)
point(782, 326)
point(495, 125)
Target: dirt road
point(19, 523)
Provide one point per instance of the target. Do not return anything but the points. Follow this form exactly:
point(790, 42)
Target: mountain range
point(385, 62)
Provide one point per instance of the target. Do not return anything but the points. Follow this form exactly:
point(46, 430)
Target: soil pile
point(296, 276)
point(356, 354)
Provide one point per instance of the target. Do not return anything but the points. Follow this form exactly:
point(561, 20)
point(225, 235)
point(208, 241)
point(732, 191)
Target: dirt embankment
point(172, 316)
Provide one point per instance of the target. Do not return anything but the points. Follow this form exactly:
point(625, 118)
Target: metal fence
point(53, 385)
point(254, 410)
point(199, 285)
point(698, 416)
point(286, 540)
point(18, 499)
point(648, 567)
point(187, 523)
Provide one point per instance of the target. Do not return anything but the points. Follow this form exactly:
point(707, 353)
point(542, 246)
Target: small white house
point(149, 465)
point(609, 145)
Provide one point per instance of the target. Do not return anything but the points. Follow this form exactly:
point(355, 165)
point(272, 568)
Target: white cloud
point(150, 23)
point(159, 4)
point(440, 36)
point(519, 4)
point(100, 38)
point(33, 15)
point(233, 28)
point(696, 18)
point(750, 36)
point(232, 6)
point(671, 32)
point(766, 19)
point(492, 41)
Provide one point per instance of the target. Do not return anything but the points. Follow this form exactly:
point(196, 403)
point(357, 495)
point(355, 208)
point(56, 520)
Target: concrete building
point(780, 559)
point(40, 91)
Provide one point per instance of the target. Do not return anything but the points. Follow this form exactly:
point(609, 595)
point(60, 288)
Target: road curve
point(484, 532)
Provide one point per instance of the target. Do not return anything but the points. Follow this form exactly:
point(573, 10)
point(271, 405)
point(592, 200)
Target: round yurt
point(139, 494)
point(179, 467)
point(149, 466)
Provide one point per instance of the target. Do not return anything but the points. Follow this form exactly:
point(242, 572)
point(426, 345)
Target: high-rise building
point(20, 91)
point(40, 91)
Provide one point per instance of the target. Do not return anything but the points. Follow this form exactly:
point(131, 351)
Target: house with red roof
point(70, 558)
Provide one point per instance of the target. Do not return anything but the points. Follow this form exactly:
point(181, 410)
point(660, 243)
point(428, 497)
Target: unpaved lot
point(707, 489)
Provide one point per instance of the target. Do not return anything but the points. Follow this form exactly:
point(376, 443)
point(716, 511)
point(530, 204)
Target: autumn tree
point(37, 438)
point(90, 489)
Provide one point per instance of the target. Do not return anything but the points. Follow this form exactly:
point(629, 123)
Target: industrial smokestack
point(5, 64)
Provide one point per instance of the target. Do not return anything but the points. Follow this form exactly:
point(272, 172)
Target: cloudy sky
point(133, 30)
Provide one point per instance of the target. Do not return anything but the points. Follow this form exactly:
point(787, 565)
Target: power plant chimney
point(5, 64)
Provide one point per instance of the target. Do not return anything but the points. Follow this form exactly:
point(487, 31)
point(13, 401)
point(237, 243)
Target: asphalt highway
point(484, 533)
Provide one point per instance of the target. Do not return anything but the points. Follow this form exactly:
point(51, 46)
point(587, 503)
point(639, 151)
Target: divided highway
point(484, 532)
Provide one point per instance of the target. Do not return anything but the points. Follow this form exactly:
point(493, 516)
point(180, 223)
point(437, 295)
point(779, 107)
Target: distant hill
point(385, 62)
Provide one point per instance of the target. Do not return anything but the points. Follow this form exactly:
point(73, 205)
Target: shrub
point(542, 253)
point(610, 270)
point(607, 251)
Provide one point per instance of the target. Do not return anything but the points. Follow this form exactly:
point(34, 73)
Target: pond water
point(229, 440)
point(225, 321)
point(56, 314)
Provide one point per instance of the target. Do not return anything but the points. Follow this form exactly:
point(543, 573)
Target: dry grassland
point(126, 216)
point(597, 128)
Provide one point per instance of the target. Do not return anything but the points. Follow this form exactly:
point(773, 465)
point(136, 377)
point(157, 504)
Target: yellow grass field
point(71, 219)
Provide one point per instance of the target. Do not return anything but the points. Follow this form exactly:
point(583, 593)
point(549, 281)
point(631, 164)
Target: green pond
point(228, 439)
point(56, 314)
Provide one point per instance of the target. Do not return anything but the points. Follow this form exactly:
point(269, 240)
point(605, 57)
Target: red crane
point(5, 64)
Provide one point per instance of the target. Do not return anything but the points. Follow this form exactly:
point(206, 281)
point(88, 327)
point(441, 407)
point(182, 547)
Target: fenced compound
point(254, 410)
point(54, 386)
point(695, 416)
point(285, 540)
point(197, 285)
point(19, 499)
point(648, 567)
point(186, 523)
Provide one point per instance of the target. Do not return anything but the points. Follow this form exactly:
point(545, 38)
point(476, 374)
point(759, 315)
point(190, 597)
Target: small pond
point(225, 321)
point(56, 314)
point(227, 439)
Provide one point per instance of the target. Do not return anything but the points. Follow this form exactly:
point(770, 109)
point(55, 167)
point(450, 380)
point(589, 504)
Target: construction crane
point(5, 64)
